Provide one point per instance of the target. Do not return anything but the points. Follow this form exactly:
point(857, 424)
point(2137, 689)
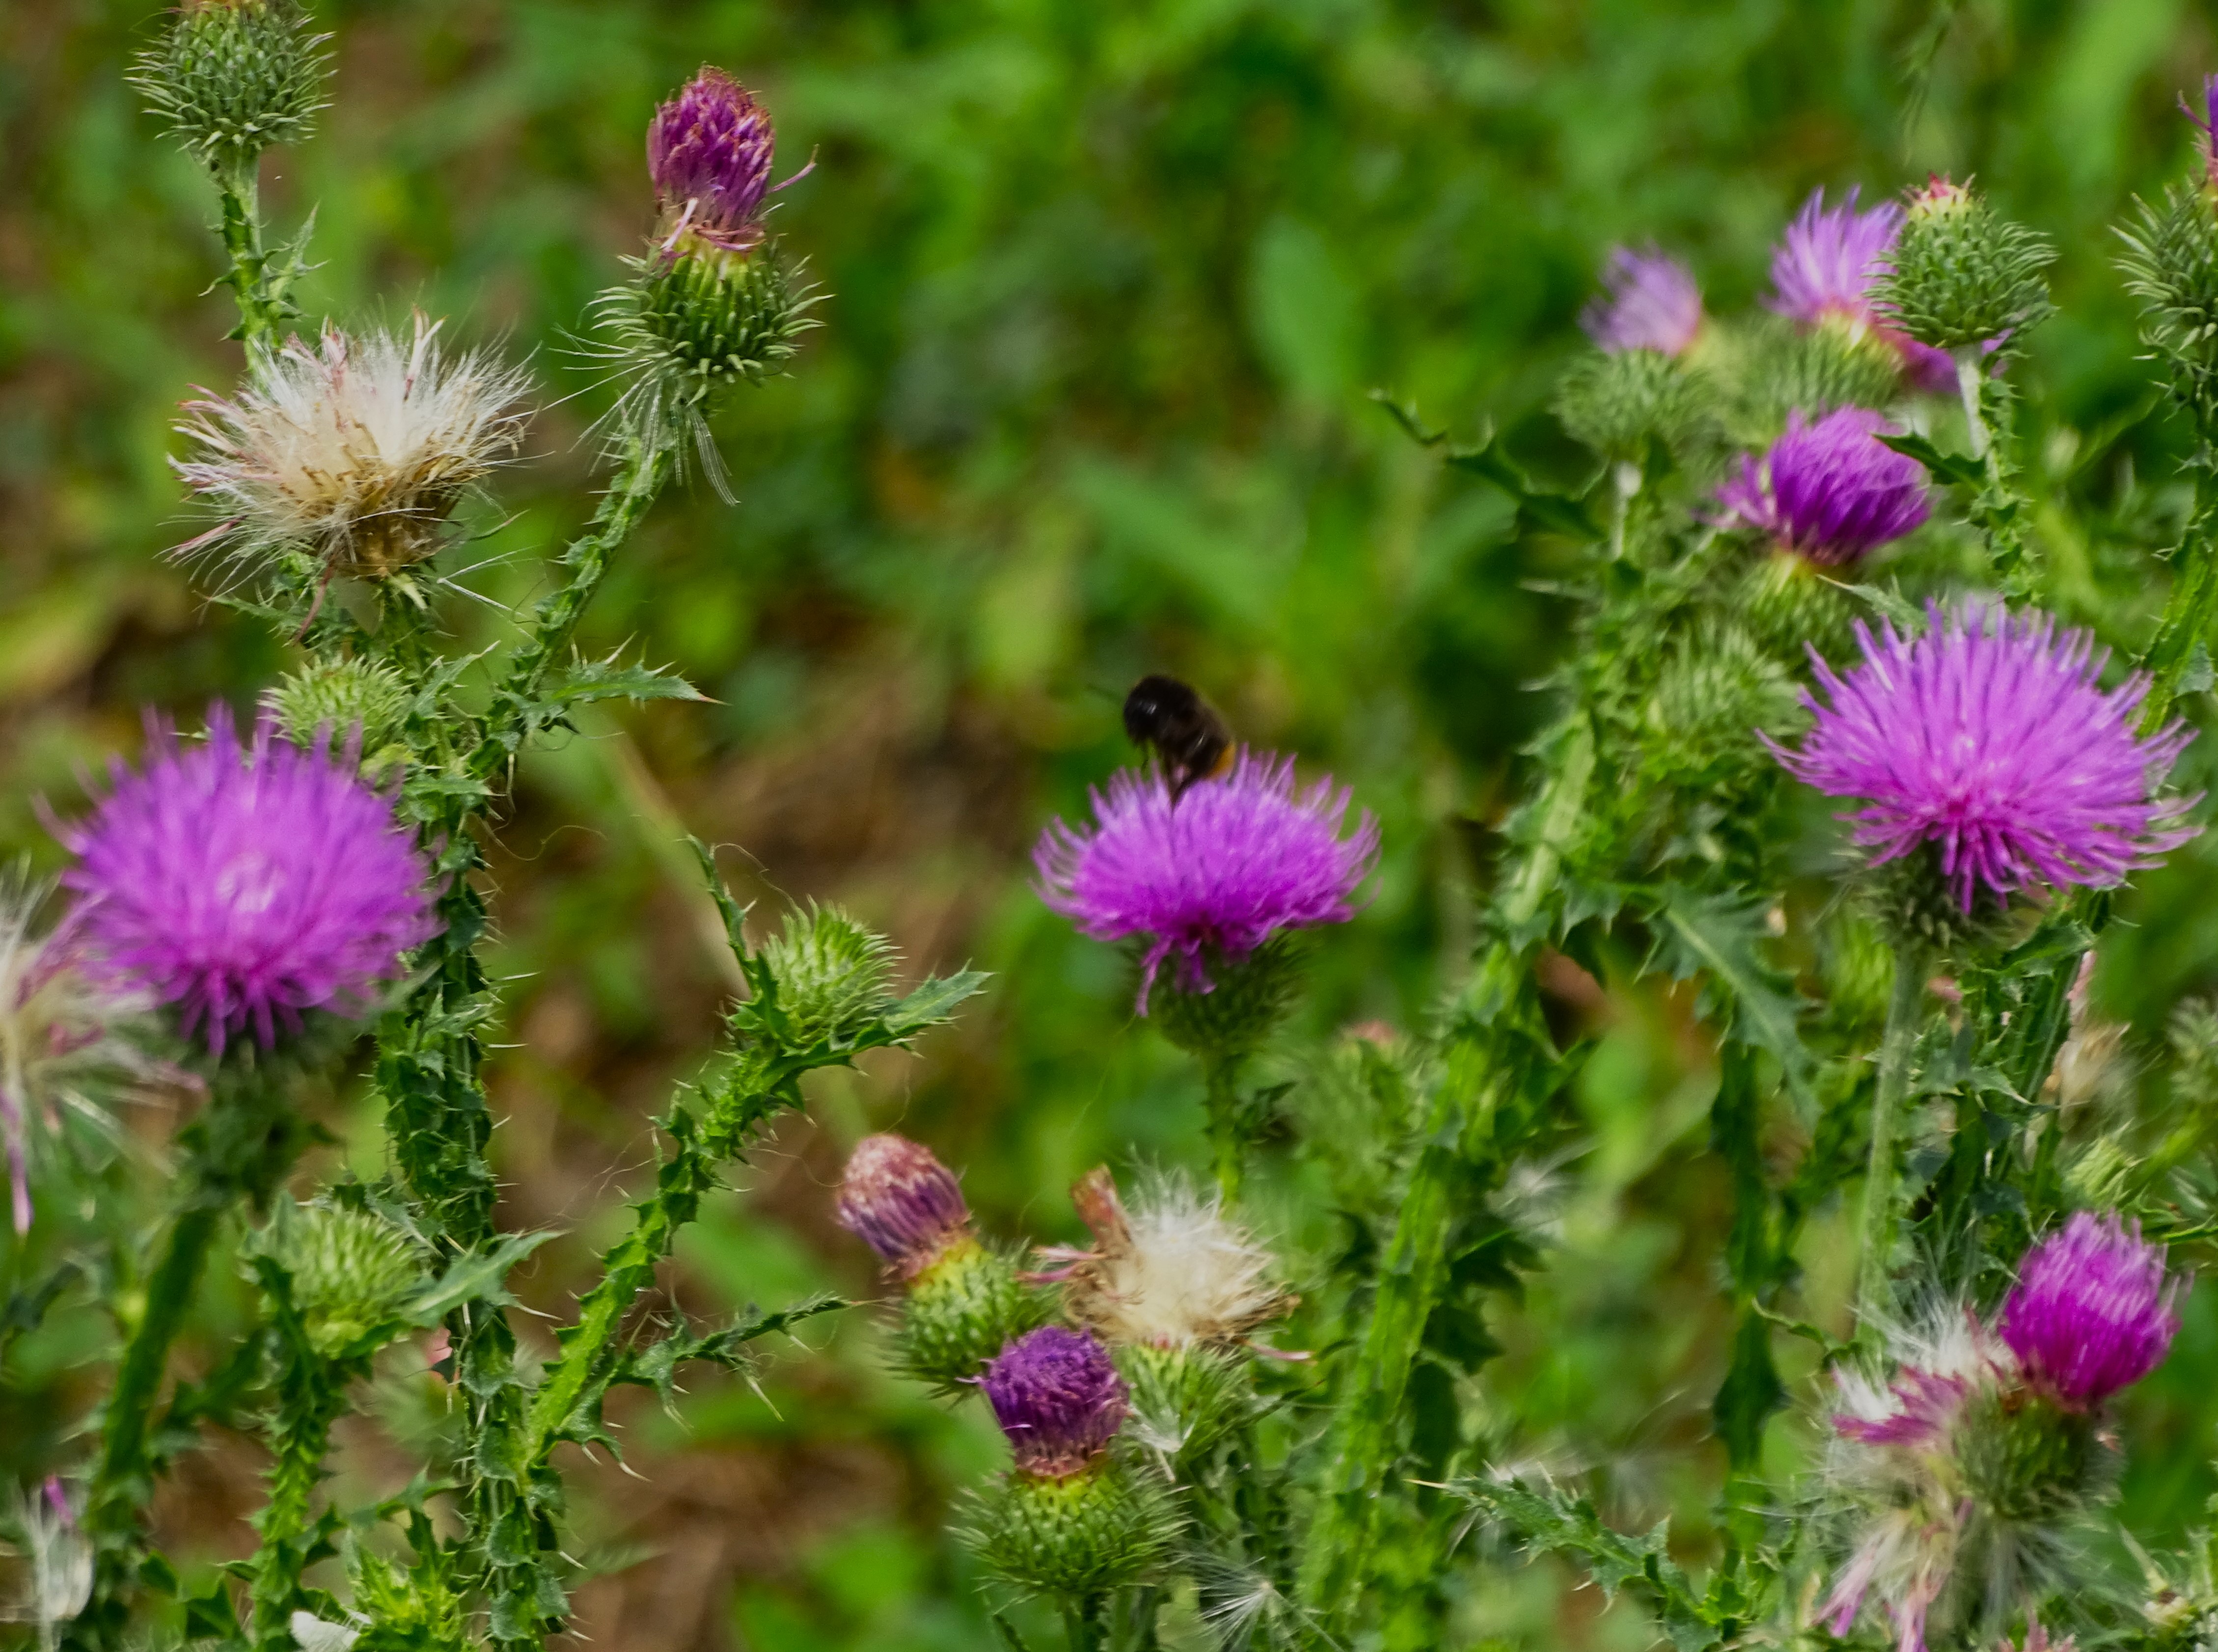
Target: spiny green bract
point(1618, 402)
point(1075, 1535)
point(685, 328)
point(1247, 999)
point(1780, 368)
point(1963, 276)
point(337, 696)
point(2170, 264)
point(833, 974)
point(1185, 1401)
point(1717, 688)
point(2026, 1458)
point(960, 1312)
point(349, 1271)
point(234, 77)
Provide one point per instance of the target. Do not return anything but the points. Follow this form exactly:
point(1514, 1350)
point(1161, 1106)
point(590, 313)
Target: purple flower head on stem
point(709, 154)
point(2092, 1312)
point(1990, 738)
point(1225, 866)
point(2207, 124)
point(246, 885)
point(1058, 1399)
point(899, 1200)
point(1650, 301)
point(1824, 270)
point(1830, 491)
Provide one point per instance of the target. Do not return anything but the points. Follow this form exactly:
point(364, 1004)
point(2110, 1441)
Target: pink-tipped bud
point(1941, 196)
point(709, 153)
point(901, 1201)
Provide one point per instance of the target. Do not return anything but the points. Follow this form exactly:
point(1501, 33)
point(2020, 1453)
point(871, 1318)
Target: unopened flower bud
point(1960, 277)
point(347, 1272)
point(234, 77)
point(337, 698)
point(1070, 1519)
point(963, 1301)
point(899, 1199)
point(832, 975)
point(1618, 402)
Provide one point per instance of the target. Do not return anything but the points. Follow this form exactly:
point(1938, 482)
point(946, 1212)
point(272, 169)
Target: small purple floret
point(1057, 1397)
point(1650, 302)
point(709, 153)
point(2092, 1312)
point(2207, 124)
point(899, 1200)
point(1831, 492)
point(247, 885)
point(1990, 738)
point(1222, 868)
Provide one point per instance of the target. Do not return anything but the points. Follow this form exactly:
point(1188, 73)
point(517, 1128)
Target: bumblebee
point(1170, 718)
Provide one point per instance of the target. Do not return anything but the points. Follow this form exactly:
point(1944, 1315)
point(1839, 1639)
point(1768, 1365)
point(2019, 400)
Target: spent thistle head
point(246, 885)
point(352, 452)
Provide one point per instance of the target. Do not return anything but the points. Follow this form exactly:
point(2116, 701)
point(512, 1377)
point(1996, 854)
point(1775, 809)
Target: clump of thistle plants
point(1805, 569)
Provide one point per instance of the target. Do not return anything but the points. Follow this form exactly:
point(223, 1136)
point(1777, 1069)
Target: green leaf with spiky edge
point(1720, 937)
point(1538, 509)
point(655, 1365)
point(1951, 469)
point(605, 680)
point(478, 1277)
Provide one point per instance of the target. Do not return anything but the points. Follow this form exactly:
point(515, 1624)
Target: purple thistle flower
point(1058, 1399)
point(1989, 739)
point(1650, 302)
point(1831, 492)
point(899, 1200)
point(2092, 1312)
point(1224, 866)
point(2207, 124)
point(1825, 269)
point(246, 886)
point(709, 154)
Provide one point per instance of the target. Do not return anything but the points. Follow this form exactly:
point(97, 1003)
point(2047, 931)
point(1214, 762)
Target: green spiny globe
point(1962, 276)
point(350, 1273)
point(962, 1310)
point(234, 77)
point(1617, 402)
point(1073, 1535)
point(1248, 998)
point(833, 972)
point(338, 696)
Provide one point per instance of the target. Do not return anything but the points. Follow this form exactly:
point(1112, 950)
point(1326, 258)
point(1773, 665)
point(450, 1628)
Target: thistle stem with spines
point(312, 1399)
point(1875, 1246)
point(1228, 1143)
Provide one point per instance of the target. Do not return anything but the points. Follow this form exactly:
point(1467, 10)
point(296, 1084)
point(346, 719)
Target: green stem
point(1228, 1142)
point(1501, 1035)
point(238, 1148)
point(1081, 1623)
point(2189, 612)
point(1968, 374)
point(259, 287)
point(312, 1397)
point(1875, 1248)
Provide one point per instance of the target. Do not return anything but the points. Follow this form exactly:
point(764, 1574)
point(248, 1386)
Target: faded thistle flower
point(1058, 1398)
point(1825, 269)
point(1650, 301)
point(2092, 1312)
point(1220, 870)
point(246, 885)
point(963, 1301)
point(57, 1579)
point(1172, 1273)
point(1986, 1441)
point(1989, 739)
point(352, 453)
point(68, 1038)
point(1831, 492)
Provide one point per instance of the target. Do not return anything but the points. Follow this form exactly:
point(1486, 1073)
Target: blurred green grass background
point(1107, 286)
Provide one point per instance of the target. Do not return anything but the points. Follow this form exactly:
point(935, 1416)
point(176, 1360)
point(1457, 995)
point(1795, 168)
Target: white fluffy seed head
point(355, 450)
point(1172, 1273)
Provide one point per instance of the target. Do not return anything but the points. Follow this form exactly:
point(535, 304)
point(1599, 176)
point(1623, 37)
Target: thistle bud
point(1069, 1520)
point(234, 77)
point(833, 975)
point(348, 1273)
point(2170, 264)
point(963, 1301)
point(339, 698)
point(1618, 402)
point(1960, 275)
